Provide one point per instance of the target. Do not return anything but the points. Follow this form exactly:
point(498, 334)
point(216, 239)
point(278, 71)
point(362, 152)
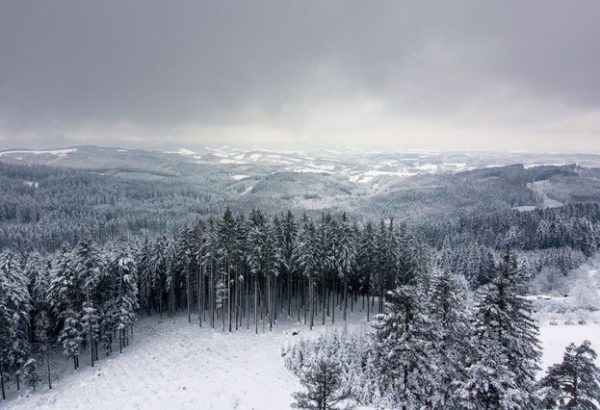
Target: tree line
point(228, 273)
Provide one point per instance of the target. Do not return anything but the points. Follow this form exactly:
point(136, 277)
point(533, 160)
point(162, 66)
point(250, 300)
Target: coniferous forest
point(317, 205)
point(440, 338)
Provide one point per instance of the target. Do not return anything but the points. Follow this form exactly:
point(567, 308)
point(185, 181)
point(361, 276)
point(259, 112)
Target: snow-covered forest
point(320, 205)
point(437, 312)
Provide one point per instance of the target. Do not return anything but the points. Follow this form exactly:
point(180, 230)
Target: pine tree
point(185, 264)
point(126, 303)
point(502, 374)
point(321, 378)
point(309, 262)
point(240, 261)
point(66, 299)
point(15, 307)
point(574, 383)
point(366, 256)
point(209, 261)
point(31, 376)
point(263, 261)
point(287, 243)
point(41, 308)
point(384, 263)
point(450, 319)
point(158, 273)
point(144, 269)
point(402, 356)
point(87, 265)
point(42, 335)
point(227, 243)
point(343, 256)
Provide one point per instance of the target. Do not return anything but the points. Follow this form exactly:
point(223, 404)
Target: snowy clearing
point(540, 188)
point(165, 367)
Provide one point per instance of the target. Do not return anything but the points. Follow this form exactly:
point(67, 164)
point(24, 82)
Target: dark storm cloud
point(92, 70)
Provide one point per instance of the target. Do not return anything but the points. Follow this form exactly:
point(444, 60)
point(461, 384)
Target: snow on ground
point(367, 177)
point(524, 208)
point(174, 365)
point(32, 184)
point(231, 161)
point(57, 152)
point(182, 151)
point(540, 188)
point(556, 338)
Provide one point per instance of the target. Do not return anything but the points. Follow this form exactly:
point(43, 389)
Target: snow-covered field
point(174, 365)
point(556, 337)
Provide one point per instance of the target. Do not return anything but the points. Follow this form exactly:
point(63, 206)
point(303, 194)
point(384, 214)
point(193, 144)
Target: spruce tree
point(309, 262)
point(402, 356)
point(343, 256)
point(88, 266)
point(449, 313)
point(502, 373)
point(31, 376)
point(287, 242)
point(126, 303)
point(41, 311)
point(321, 378)
point(226, 233)
point(42, 335)
point(158, 273)
point(15, 307)
point(66, 299)
point(365, 260)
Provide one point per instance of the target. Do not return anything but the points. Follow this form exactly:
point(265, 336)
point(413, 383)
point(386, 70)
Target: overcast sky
point(479, 75)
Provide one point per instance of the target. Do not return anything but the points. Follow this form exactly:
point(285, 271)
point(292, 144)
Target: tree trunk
point(200, 295)
point(345, 297)
point(160, 297)
point(48, 369)
point(247, 301)
point(211, 295)
point(298, 296)
point(256, 302)
point(324, 299)
point(312, 301)
point(333, 303)
point(2, 380)
point(189, 295)
point(289, 292)
point(270, 301)
point(229, 296)
point(91, 345)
